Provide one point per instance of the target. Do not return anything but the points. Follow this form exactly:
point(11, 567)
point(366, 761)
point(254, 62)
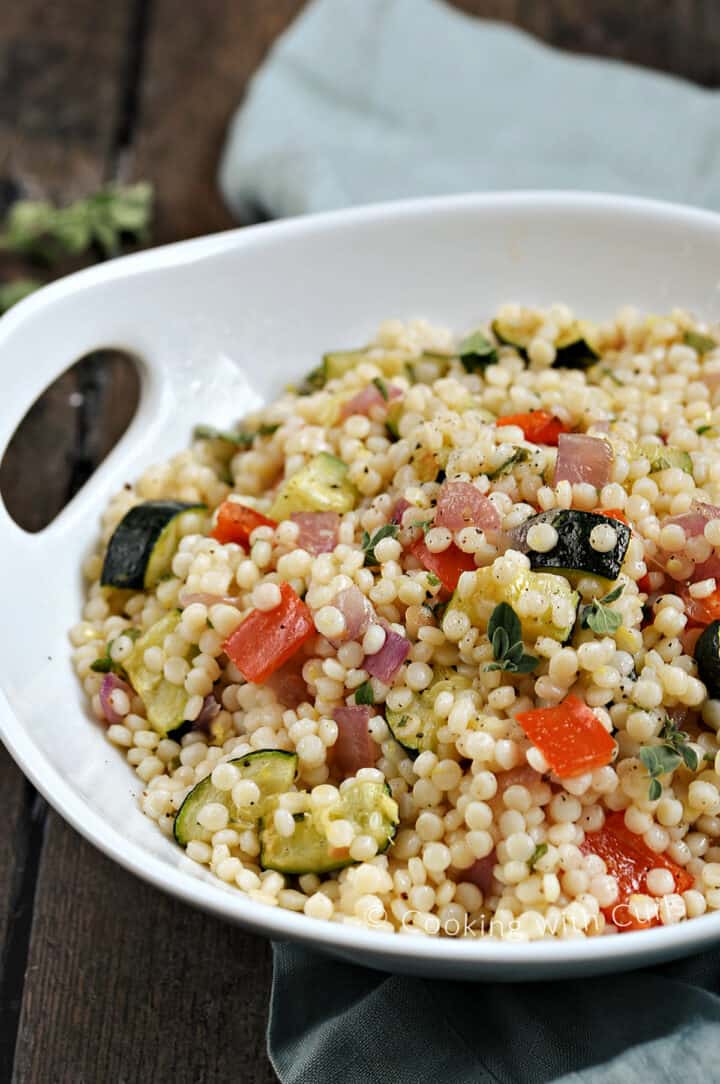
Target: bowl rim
point(615, 952)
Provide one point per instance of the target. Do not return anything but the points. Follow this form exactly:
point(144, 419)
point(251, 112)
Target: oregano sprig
point(672, 750)
point(505, 635)
point(599, 617)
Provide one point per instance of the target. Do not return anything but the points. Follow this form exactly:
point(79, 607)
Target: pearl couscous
point(431, 644)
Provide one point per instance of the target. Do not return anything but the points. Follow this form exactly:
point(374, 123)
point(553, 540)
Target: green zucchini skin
point(133, 542)
point(573, 552)
point(707, 657)
point(273, 770)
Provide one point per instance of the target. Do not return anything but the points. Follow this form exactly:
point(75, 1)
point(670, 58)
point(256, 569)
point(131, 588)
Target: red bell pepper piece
point(267, 638)
point(447, 566)
point(612, 513)
point(629, 860)
point(570, 737)
point(539, 426)
point(236, 522)
point(701, 611)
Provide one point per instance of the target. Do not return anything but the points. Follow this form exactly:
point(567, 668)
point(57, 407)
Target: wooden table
point(103, 979)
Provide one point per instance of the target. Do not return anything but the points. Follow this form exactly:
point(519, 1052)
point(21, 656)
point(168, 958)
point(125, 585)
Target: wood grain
point(677, 36)
point(198, 60)
point(61, 92)
point(126, 984)
point(12, 865)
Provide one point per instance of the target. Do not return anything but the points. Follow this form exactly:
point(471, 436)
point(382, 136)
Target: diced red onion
point(399, 511)
point(461, 504)
point(208, 712)
point(707, 570)
point(480, 873)
point(369, 397)
point(583, 459)
point(111, 683)
point(357, 611)
point(354, 748)
point(386, 662)
point(693, 522)
point(318, 531)
point(523, 776)
point(288, 684)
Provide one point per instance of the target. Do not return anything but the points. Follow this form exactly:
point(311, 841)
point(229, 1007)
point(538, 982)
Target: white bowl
point(222, 323)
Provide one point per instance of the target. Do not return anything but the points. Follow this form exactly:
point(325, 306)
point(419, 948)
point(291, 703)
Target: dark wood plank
point(62, 99)
point(62, 92)
point(12, 787)
point(19, 851)
point(677, 36)
point(198, 60)
point(126, 984)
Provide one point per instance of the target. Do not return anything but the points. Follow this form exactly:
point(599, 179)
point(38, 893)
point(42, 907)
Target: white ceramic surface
point(221, 324)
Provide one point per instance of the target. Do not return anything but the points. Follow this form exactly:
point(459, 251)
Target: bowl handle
point(43, 336)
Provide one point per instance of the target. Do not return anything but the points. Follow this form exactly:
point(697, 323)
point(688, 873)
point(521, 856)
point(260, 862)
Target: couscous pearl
point(330, 622)
point(266, 597)
point(213, 816)
point(542, 537)
point(245, 793)
point(373, 640)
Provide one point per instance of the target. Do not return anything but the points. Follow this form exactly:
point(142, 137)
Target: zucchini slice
point(707, 657)
point(320, 486)
point(576, 348)
point(164, 702)
point(272, 770)
point(369, 807)
point(416, 726)
point(142, 546)
point(573, 556)
point(663, 457)
point(340, 362)
point(556, 621)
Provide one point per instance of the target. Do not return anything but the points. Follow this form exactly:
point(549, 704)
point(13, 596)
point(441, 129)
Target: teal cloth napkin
point(364, 100)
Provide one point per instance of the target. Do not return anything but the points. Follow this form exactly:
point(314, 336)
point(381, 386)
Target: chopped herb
point(704, 429)
point(104, 664)
point(15, 290)
point(37, 229)
point(599, 617)
point(607, 371)
point(520, 455)
point(477, 352)
point(267, 429)
point(540, 850)
point(505, 634)
point(392, 430)
point(665, 757)
point(364, 694)
point(432, 579)
point(410, 372)
point(314, 381)
point(702, 343)
point(423, 524)
point(240, 437)
point(381, 387)
point(388, 530)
